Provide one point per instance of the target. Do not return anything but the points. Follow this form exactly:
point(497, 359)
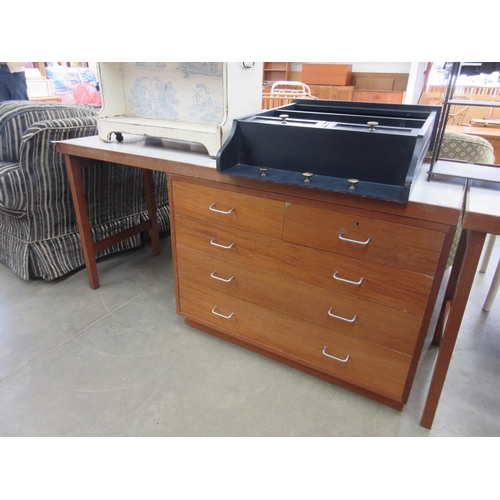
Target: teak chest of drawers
point(341, 292)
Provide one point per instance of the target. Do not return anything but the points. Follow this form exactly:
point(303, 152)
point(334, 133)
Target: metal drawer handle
point(212, 242)
point(340, 317)
point(211, 207)
point(341, 237)
point(333, 357)
point(221, 315)
point(221, 279)
point(347, 281)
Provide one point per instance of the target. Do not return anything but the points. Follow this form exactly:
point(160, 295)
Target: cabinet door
point(393, 97)
point(322, 91)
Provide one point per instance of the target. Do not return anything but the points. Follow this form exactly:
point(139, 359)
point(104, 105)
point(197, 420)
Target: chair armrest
point(12, 200)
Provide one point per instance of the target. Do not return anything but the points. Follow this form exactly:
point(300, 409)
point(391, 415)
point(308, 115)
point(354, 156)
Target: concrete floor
point(119, 361)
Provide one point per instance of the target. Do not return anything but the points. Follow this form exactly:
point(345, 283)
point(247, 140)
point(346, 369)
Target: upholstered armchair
point(38, 230)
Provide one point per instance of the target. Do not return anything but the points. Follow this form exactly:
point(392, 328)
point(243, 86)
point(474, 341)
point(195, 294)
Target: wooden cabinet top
point(326, 74)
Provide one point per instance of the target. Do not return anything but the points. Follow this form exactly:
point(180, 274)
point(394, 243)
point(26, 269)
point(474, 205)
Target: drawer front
point(229, 208)
point(366, 365)
point(384, 285)
point(349, 315)
point(395, 245)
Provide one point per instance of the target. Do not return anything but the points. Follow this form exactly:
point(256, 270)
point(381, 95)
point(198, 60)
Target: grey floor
point(119, 361)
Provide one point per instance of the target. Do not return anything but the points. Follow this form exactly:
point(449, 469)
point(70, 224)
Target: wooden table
point(148, 154)
point(482, 216)
point(435, 203)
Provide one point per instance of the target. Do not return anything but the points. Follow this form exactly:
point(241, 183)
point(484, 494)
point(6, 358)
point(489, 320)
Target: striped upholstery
point(38, 230)
point(17, 116)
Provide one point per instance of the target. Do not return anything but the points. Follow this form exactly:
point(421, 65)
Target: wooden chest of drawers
point(344, 294)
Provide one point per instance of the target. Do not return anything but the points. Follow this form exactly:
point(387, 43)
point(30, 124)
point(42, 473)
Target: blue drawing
point(153, 98)
point(201, 68)
point(204, 107)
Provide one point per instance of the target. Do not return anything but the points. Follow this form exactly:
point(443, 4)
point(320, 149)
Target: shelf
point(455, 169)
point(473, 102)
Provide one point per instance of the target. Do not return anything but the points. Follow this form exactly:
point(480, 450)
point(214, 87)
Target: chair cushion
point(467, 148)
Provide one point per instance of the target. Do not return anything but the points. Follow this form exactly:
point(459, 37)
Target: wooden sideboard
point(343, 293)
point(350, 93)
point(338, 93)
point(390, 96)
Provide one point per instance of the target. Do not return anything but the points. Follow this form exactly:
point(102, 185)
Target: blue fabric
point(13, 86)
point(38, 231)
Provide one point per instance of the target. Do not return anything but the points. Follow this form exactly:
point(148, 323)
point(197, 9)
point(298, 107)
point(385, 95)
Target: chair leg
point(495, 285)
point(488, 250)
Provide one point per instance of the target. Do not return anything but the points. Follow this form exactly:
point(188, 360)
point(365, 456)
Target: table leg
point(151, 204)
point(450, 289)
point(474, 246)
point(74, 167)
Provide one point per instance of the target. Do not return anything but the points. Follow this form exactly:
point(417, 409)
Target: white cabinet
point(186, 101)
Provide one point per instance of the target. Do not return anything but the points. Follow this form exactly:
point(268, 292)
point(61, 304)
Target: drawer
point(351, 316)
point(377, 369)
point(395, 288)
point(395, 245)
point(229, 208)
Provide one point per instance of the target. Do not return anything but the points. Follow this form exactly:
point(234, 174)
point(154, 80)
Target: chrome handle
point(221, 279)
point(341, 237)
point(347, 281)
point(340, 317)
point(211, 207)
point(212, 242)
point(333, 357)
point(221, 315)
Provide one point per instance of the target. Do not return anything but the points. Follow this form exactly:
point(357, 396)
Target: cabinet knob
point(372, 125)
point(284, 118)
point(307, 176)
point(263, 171)
point(353, 183)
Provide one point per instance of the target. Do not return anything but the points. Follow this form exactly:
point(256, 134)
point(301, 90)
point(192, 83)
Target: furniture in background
point(39, 235)
point(275, 71)
point(284, 92)
point(466, 148)
point(390, 96)
point(457, 112)
point(337, 81)
point(327, 74)
point(333, 92)
point(491, 134)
